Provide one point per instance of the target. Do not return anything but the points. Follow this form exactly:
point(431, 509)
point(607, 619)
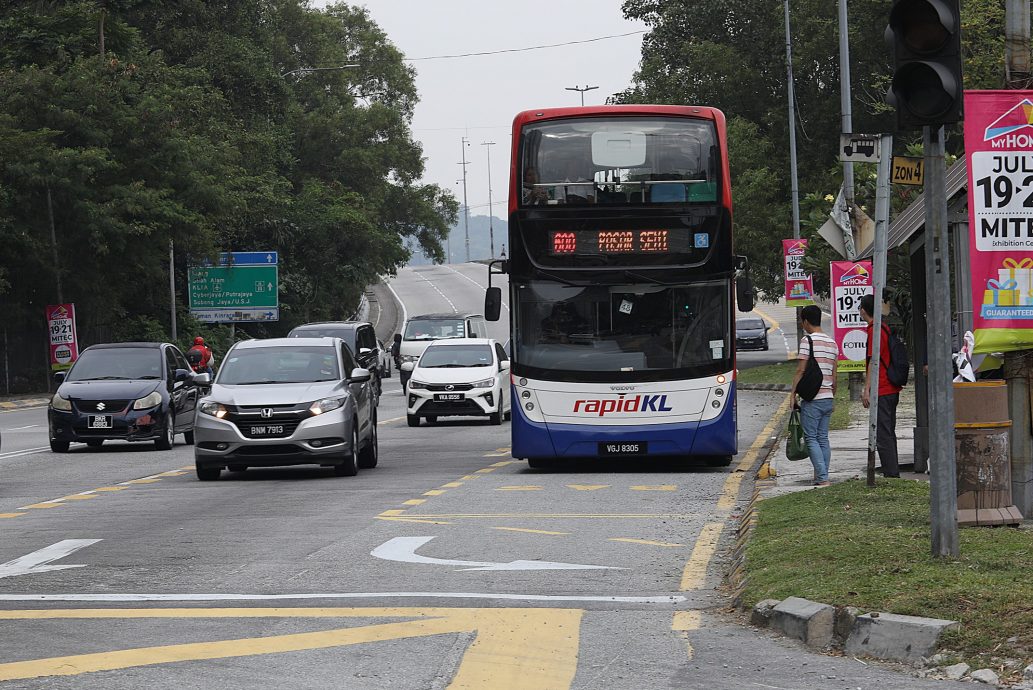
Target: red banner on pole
point(799, 288)
point(64, 345)
point(851, 280)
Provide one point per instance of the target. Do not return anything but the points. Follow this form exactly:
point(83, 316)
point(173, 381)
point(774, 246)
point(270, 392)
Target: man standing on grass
point(889, 393)
point(816, 413)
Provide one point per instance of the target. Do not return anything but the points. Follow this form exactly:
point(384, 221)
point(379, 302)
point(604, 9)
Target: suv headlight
point(59, 403)
point(414, 385)
point(214, 409)
point(152, 400)
point(486, 383)
point(326, 405)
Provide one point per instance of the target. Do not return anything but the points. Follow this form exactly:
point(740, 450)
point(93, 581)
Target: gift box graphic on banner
point(1021, 273)
point(1000, 294)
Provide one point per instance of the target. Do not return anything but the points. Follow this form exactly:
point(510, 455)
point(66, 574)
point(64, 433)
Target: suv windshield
point(118, 363)
point(622, 332)
point(458, 356)
point(434, 329)
point(307, 364)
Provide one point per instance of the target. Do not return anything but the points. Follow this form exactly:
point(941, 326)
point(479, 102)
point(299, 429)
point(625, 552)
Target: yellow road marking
point(111, 488)
point(587, 487)
point(660, 487)
point(601, 516)
point(515, 649)
point(485, 470)
point(695, 572)
point(383, 422)
point(150, 480)
point(452, 485)
point(434, 492)
point(392, 513)
point(504, 462)
point(78, 497)
point(10, 515)
point(172, 473)
point(526, 487)
point(43, 505)
point(645, 541)
point(468, 477)
point(414, 502)
point(683, 623)
point(402, 519)
point(731, 488)
point(531, 531)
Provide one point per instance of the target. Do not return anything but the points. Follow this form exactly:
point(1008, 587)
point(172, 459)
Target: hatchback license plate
point(448, 397)
point(623, 448)
point(267, 430)
point(100, 422)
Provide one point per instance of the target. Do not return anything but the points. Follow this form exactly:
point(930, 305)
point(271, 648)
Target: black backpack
point(810, 382)
point(897, 367)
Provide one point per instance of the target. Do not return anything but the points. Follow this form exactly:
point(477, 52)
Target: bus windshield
point(628, 160)
point(622, 332)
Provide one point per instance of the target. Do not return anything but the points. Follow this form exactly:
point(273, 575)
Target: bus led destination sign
point(618, 241)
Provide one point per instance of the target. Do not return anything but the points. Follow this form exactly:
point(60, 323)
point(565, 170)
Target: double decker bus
point(622, 278)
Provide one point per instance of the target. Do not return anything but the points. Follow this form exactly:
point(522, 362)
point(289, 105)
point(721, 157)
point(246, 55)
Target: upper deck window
point(619, 161)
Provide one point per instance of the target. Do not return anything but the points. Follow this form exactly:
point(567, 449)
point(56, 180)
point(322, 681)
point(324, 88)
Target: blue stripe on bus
point(712, 437)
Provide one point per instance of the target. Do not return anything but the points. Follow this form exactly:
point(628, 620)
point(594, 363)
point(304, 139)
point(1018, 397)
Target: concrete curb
point(24, 403)
point(780, 387)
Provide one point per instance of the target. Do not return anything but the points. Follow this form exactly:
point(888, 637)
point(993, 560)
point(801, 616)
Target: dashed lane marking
point(532, 531)
point(434, 492)
point(661, 487)
point(10, 515)
point(414, 502)
point(562, 516)
point(646, 542)
point(587, 487)
point(452, 485)
point(685, 622)
point(405, 519)
point(525, 487)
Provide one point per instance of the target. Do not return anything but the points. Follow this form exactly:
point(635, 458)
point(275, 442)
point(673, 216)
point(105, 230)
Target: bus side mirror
point(744, 293)
point(492, 303)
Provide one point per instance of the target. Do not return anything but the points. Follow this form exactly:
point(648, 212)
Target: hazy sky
point(478, 96)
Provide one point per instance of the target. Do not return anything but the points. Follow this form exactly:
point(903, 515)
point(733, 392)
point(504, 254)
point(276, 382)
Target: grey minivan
point(287, 401)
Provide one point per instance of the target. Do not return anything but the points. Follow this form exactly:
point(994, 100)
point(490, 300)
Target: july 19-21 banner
point(999, 149)
point(799, 287)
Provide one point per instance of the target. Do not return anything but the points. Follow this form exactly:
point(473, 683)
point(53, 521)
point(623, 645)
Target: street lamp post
point(466, 205)
point(581, 90)
point(491, 225)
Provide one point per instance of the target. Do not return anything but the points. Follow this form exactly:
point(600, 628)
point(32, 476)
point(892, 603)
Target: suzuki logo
point(101, 406)
point(267, 412)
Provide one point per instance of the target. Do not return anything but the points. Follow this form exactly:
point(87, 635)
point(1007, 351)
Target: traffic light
point(926, 39)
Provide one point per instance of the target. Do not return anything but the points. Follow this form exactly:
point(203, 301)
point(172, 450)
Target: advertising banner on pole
point(851, 280)
point(799, 286)
point(64, 345)
point(999, 149)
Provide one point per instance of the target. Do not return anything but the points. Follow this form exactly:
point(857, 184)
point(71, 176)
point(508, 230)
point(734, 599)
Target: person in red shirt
point(889, 394)
point(206, 354)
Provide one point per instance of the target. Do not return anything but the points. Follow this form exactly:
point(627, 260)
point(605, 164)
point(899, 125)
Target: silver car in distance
point(295, 401)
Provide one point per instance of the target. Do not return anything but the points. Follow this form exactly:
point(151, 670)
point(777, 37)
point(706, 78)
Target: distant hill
point(479, 241)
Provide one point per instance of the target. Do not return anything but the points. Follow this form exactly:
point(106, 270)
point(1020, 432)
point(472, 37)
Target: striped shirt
point(826, 352)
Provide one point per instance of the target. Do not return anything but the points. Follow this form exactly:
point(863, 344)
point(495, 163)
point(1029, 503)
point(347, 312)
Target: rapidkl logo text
point(639, 403)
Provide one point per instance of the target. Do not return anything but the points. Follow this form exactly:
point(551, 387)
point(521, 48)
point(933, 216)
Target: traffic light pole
point(882, 230)
point(943, 499)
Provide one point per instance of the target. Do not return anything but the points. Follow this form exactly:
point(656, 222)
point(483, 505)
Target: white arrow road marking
point(403, 549)
point(36, 562)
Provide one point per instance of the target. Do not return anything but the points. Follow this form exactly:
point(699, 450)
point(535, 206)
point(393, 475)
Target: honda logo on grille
point(101, 406)
point(267, 412)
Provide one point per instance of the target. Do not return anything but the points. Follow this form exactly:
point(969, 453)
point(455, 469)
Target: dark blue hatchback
point(124, 391)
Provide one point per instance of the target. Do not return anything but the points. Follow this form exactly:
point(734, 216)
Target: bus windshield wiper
point(564, 281)
point(647, 279)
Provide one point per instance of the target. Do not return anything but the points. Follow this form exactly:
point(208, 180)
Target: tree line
point(127, 124)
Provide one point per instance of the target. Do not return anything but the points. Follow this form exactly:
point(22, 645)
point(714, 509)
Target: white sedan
point(459, 377)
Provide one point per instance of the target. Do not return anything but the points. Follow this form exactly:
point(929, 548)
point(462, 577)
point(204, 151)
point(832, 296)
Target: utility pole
point(794, 185)
point(466, 206)
point(882, 223)
point(491, 223)
point(581, 90)
point(848, 126)
point(172, 287)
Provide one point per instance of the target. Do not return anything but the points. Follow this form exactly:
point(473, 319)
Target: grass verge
point(782, 372)
point(841, 412)
point(849, 545)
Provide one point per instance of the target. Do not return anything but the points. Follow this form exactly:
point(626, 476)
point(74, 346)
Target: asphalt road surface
point(450, 565)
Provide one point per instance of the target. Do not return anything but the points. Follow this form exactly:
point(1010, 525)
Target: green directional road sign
point(233, 288)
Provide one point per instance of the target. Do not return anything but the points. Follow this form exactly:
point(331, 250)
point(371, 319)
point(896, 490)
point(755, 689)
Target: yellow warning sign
point(908, 170)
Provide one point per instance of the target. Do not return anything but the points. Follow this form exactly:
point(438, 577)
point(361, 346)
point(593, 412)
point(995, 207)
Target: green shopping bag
point(796, 446)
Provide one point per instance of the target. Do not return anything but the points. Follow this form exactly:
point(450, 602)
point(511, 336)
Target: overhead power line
point(523, 50)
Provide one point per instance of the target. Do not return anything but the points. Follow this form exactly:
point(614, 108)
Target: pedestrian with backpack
point(815, 383)
point(893, 366)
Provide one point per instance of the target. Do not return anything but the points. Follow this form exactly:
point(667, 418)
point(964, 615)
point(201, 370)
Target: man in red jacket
point(206, 355)
point(889, 394)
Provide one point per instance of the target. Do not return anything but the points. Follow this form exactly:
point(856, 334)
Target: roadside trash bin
point(982, 431)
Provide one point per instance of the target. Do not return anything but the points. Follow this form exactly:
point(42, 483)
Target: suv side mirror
point(59, 377)
point(364, 350)
point(182, 375)
point(204, 379)
point(504, 365)
point(492, 303)
point(360, 375)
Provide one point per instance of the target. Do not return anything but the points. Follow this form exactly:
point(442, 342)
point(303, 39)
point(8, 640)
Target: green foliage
point(189, 128)
point(720, 54)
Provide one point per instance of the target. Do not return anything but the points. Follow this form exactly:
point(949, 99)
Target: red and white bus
point(622, 274)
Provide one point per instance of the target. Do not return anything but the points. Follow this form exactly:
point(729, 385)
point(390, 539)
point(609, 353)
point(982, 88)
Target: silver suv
point(283, 401)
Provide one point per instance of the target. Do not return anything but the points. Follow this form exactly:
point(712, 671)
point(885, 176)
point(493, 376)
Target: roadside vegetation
point(848, 545)
point(782, 373)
